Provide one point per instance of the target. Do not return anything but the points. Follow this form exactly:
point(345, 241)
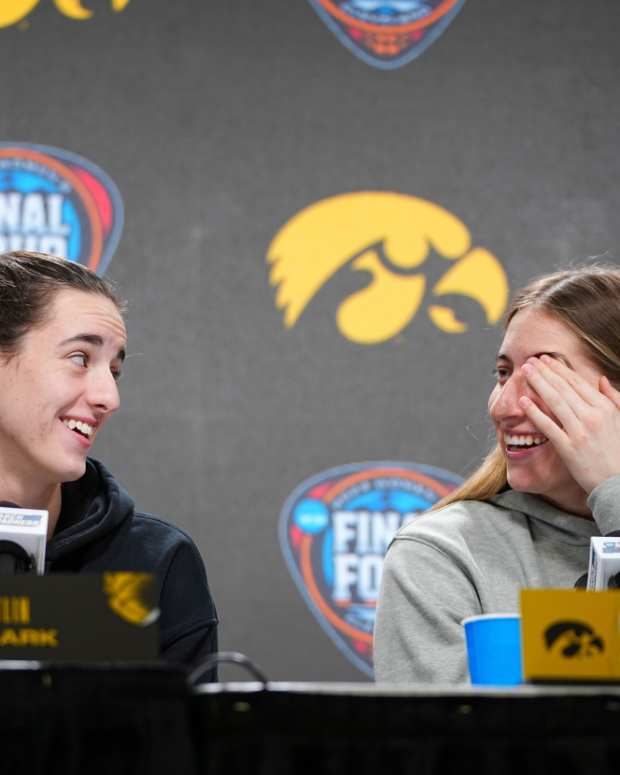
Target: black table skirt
point(561, 731)
point(95, 720)
point(147, 720)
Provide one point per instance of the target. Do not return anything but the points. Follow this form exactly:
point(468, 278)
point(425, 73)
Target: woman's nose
point(103, 392)
point(506, 403)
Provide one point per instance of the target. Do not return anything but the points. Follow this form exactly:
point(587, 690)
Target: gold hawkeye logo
point(389, 236)
point(128, 594)
point(13, 11)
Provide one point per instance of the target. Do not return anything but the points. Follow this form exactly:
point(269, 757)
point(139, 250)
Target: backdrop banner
point(317, 211)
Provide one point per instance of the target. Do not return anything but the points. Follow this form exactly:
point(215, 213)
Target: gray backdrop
point(219, 121)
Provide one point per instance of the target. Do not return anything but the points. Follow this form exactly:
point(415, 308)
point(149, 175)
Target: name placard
point(570, 635)
point(77, 618)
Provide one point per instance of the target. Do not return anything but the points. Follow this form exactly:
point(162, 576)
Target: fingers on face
point(541, 421)
point(566, 392)
point(607, 389)
point(550, 387)
point(561, 373)
point(566, 405)
point(582, 409)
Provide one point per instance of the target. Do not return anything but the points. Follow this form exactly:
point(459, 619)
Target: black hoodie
point(99, 530)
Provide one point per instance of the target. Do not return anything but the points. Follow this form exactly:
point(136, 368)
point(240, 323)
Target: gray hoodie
point(469, 558)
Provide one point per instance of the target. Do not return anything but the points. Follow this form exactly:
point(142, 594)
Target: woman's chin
point(73, 472)
point(523, 483)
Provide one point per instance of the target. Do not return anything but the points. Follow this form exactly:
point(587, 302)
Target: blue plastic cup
point(494, 649)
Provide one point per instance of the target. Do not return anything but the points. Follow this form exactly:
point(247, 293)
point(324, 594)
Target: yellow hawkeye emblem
point(13, 11)
point(126, 592)
point(389, 236)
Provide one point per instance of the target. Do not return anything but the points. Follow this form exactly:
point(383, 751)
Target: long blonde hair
point(587, 300)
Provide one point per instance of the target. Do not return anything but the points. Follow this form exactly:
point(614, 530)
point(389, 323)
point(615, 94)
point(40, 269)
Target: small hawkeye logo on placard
point(572, 639)
point(13, 11)
point(131, 596)
point(390, 237)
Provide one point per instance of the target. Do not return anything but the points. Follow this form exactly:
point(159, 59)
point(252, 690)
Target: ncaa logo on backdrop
point(396, 242)
point(13, 11)
point(54, 201)
point(387, 33)
point(334, 531)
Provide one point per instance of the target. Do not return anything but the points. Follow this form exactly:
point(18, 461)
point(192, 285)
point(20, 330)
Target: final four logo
point(387, 33)
point(54, 201)
point(334, 531)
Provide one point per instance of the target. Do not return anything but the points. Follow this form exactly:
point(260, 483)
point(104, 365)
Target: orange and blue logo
point(54, 201)
point(387, 33)
point(409, 255)
point(334, 531)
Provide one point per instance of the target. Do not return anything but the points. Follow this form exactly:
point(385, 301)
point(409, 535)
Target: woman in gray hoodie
point(525, 517)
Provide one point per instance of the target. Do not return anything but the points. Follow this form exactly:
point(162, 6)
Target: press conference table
point(147, 719)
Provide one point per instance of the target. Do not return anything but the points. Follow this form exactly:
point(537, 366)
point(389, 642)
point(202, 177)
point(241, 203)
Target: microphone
point(604, 568)
point(23, 533)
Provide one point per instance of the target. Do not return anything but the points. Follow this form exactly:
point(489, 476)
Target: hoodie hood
point(92, 507)
point(545, 518)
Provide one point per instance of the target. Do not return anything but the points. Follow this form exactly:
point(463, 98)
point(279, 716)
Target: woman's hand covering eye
point(585, 429)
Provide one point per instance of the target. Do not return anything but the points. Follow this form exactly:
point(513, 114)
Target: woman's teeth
point(524, 441)
point(76, 425)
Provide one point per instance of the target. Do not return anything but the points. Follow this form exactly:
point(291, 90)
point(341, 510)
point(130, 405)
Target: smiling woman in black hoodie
point(62, 347)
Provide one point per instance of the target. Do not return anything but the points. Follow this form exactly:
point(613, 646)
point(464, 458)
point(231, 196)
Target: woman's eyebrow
point(557, 356)
point(93, 339)
point(551, 354)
